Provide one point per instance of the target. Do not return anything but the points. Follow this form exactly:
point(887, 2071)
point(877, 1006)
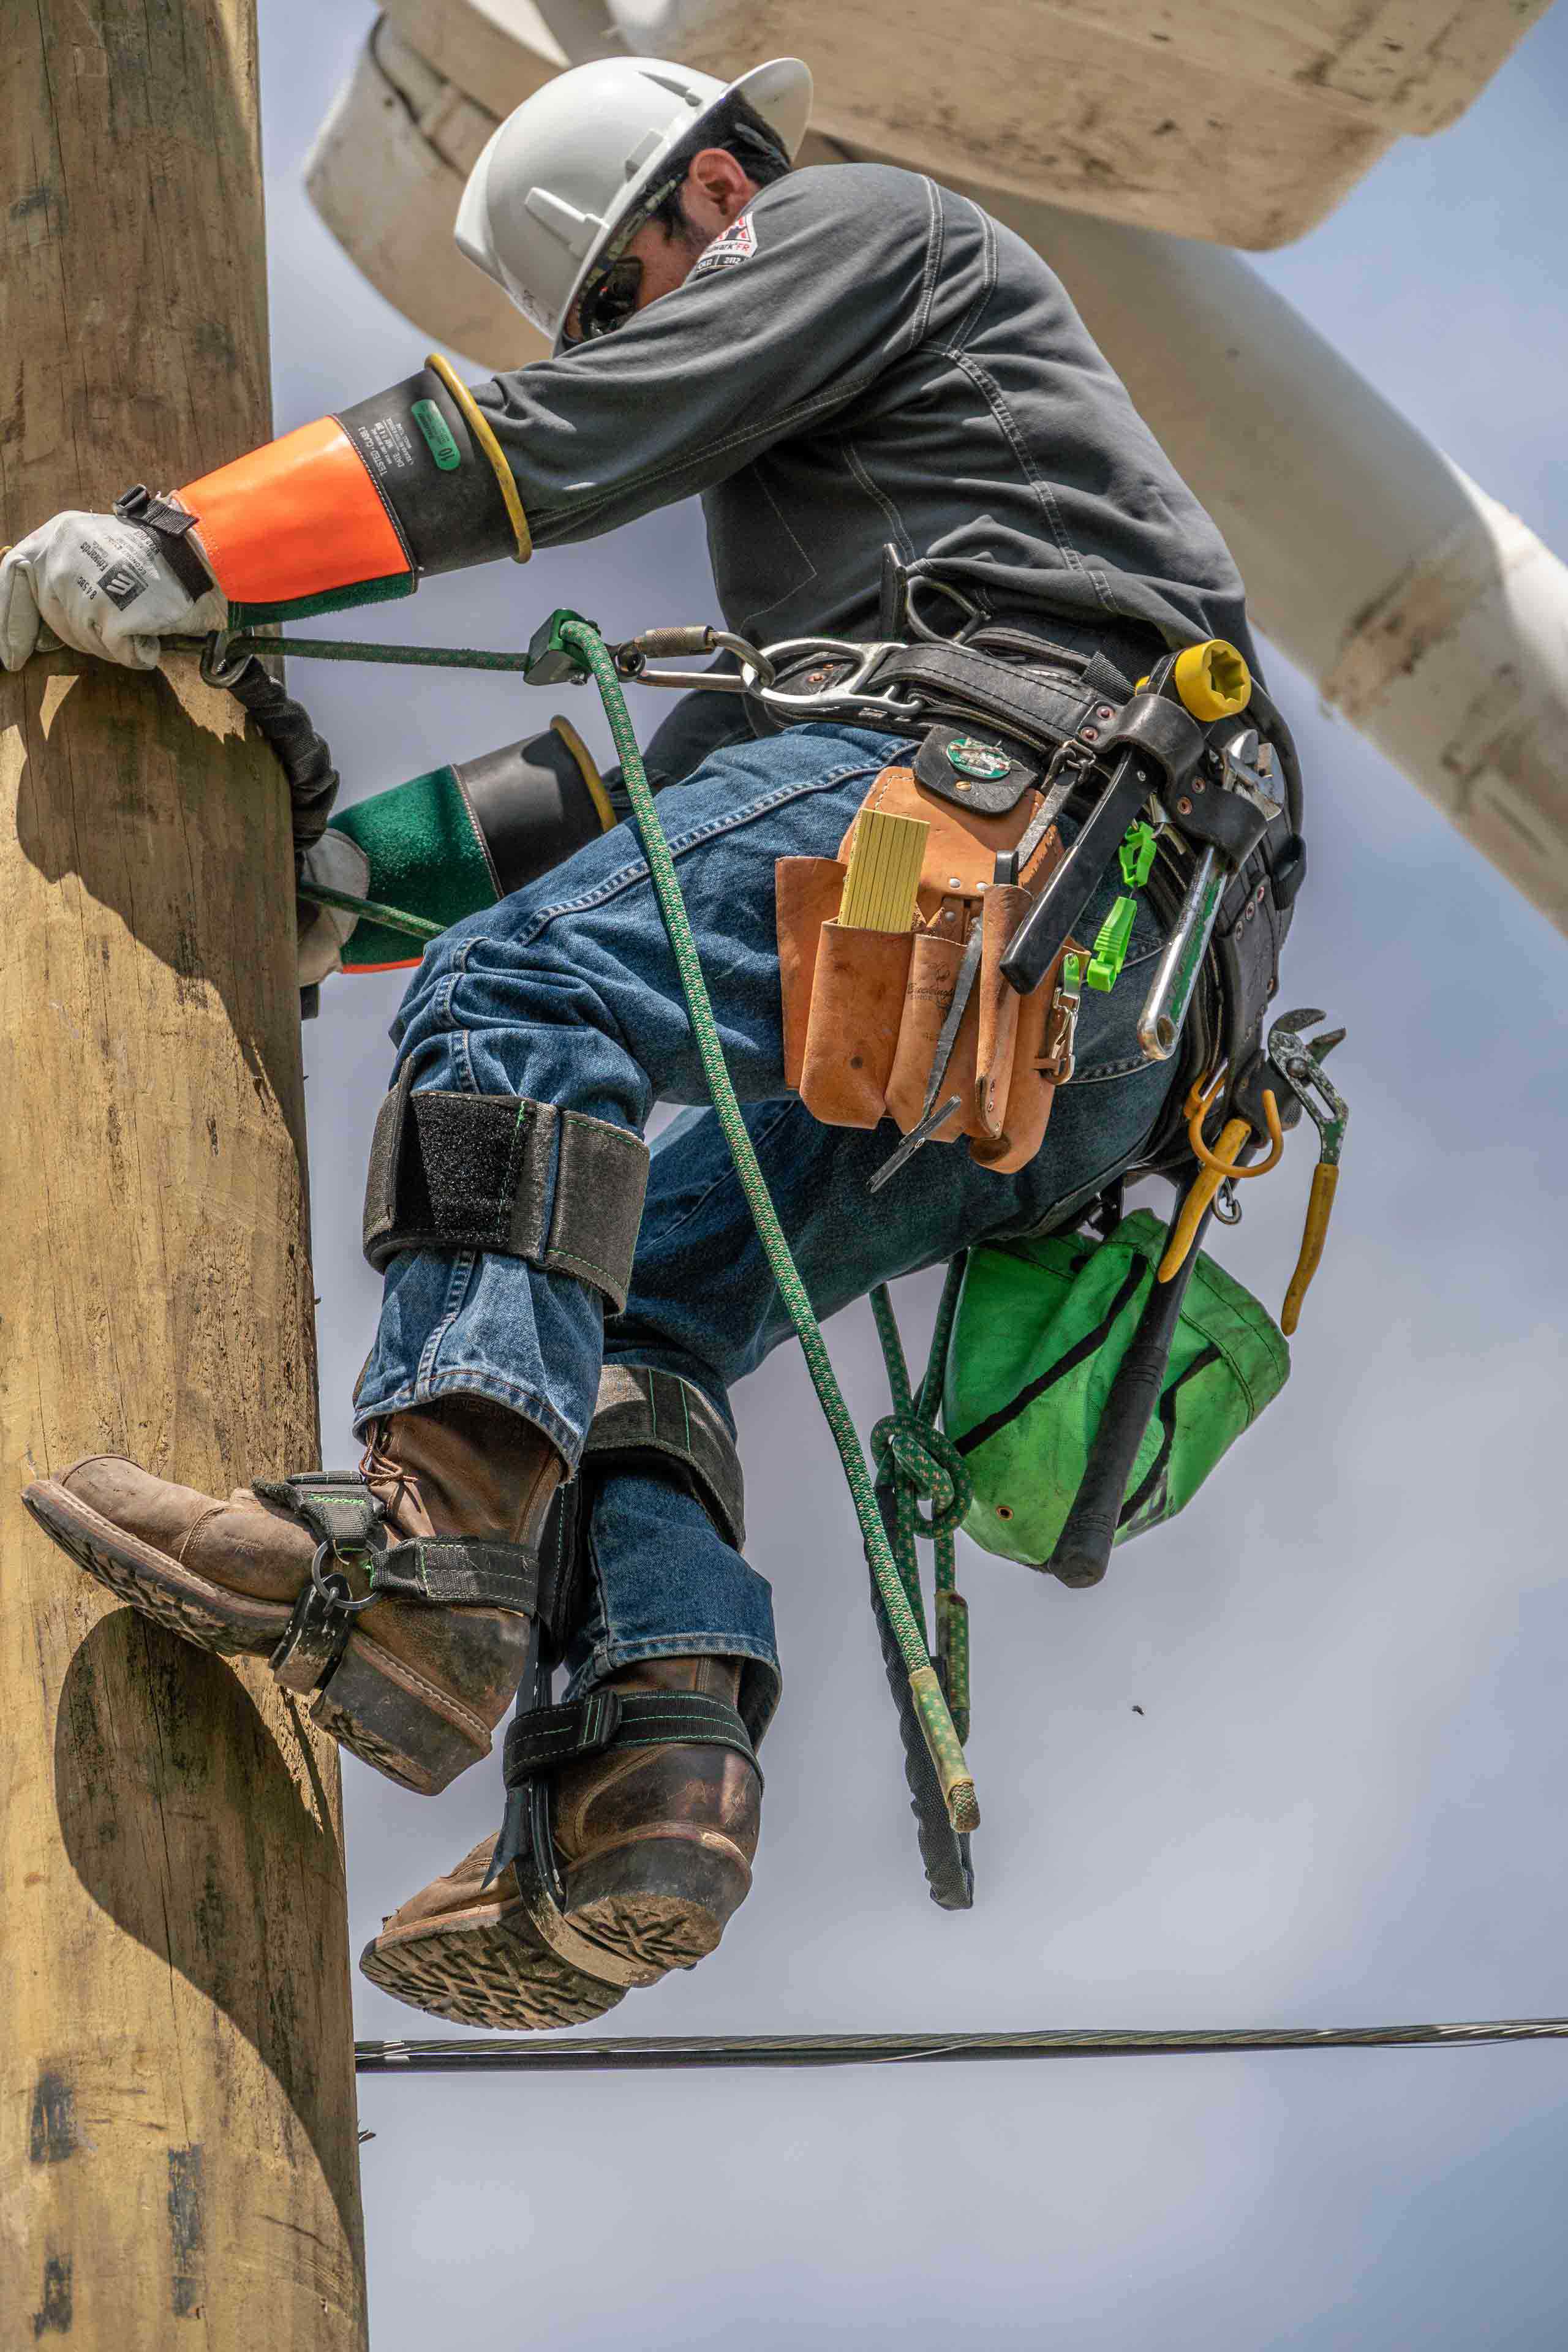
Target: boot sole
point(401, 1726)
point(663, 1904)
point(485, 1966)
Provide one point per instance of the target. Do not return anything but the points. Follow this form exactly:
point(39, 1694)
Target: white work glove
point(102, 586)
point(338, 864)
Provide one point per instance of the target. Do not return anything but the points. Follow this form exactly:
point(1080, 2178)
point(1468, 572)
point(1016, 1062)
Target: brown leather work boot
point(655, 1844)
point(417, 1687)
point(655, 1847)
point(467, 1951)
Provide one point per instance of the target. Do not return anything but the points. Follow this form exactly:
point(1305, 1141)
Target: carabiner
point(848, 691)
point(218, 666)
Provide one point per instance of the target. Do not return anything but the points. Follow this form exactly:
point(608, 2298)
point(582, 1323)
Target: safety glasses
point(615, 283)
point(610, 300)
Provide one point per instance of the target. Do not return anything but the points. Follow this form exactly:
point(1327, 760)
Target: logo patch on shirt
point(729, 248)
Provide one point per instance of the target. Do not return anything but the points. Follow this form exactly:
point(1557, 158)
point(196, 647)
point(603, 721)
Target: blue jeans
point(567, 991)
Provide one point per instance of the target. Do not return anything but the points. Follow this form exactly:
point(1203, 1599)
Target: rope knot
point(928, 1466)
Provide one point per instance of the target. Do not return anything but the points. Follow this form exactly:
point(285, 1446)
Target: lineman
point(833, 359)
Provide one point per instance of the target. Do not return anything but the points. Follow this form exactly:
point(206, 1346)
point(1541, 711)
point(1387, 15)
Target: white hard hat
point(568, 165)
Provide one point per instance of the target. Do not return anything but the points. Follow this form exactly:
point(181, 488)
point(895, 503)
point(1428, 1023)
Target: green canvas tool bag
point(1041, 1330)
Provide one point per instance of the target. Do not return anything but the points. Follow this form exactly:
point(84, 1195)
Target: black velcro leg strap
point(505, 1173)
point(547, 1737)
point(656, 1420)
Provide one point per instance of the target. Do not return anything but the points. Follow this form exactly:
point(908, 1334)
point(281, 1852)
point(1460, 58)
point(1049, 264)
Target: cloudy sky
point(1344, 1798)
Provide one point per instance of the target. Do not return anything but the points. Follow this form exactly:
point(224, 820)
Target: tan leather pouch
point(935, 960)
point(1040, 1060)
point(1002, 910)
point(858, 997)
point(808, 892)
point(863, 1011)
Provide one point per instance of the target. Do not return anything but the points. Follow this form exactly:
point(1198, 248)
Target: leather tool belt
point(1037, 697)
point(865, 1010)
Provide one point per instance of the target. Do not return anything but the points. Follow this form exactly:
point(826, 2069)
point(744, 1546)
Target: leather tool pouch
point(864, 1009)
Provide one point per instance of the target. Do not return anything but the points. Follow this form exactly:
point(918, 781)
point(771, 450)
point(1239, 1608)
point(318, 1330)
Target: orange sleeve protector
point(359, 507)
point(299, 527)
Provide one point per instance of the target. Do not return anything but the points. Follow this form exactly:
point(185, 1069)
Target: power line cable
point(573, 2053)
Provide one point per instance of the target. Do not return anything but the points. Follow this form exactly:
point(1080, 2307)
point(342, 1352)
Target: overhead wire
point(573, 2053)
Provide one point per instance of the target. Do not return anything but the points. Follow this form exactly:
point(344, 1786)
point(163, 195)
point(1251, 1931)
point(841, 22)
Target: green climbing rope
point(921, 1464)
point(936, 1720)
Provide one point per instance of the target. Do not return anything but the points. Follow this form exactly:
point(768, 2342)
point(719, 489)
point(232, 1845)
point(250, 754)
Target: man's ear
point(716, 175)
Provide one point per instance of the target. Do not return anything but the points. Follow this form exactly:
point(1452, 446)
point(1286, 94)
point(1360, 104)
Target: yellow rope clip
point(1215, 1167)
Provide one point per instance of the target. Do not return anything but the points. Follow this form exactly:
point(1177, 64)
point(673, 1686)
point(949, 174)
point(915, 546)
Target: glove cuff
point(447, 843)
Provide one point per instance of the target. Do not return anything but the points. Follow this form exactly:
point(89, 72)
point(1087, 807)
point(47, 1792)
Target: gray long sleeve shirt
point(865, 357)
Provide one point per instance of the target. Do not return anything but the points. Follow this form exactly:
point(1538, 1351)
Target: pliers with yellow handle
point(1300, 1066)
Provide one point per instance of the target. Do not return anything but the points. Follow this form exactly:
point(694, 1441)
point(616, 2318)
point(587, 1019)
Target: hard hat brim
point(780, 91)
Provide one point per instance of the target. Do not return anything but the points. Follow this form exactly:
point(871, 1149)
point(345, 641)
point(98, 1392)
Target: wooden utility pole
point(178, 2157)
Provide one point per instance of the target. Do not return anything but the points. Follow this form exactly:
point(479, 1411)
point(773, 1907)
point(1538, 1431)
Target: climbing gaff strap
point(941, 1740)
point(539, 1743)
point(350, 1526)
point(644, 1419)
point(502, 1172)
point(548, 1737)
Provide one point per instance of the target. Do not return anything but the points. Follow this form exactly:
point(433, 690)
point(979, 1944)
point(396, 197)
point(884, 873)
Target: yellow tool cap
point(1213, 680)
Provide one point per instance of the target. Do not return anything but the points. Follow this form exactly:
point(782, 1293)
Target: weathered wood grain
point(177, 2122)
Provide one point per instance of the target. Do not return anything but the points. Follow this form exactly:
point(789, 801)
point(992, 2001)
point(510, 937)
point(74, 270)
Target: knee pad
point(502, 1172)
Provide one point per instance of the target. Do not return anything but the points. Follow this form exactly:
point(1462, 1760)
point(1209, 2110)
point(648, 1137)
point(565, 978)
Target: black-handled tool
point(1156, 745)
point(1084, 1545)
point(1051, 920)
